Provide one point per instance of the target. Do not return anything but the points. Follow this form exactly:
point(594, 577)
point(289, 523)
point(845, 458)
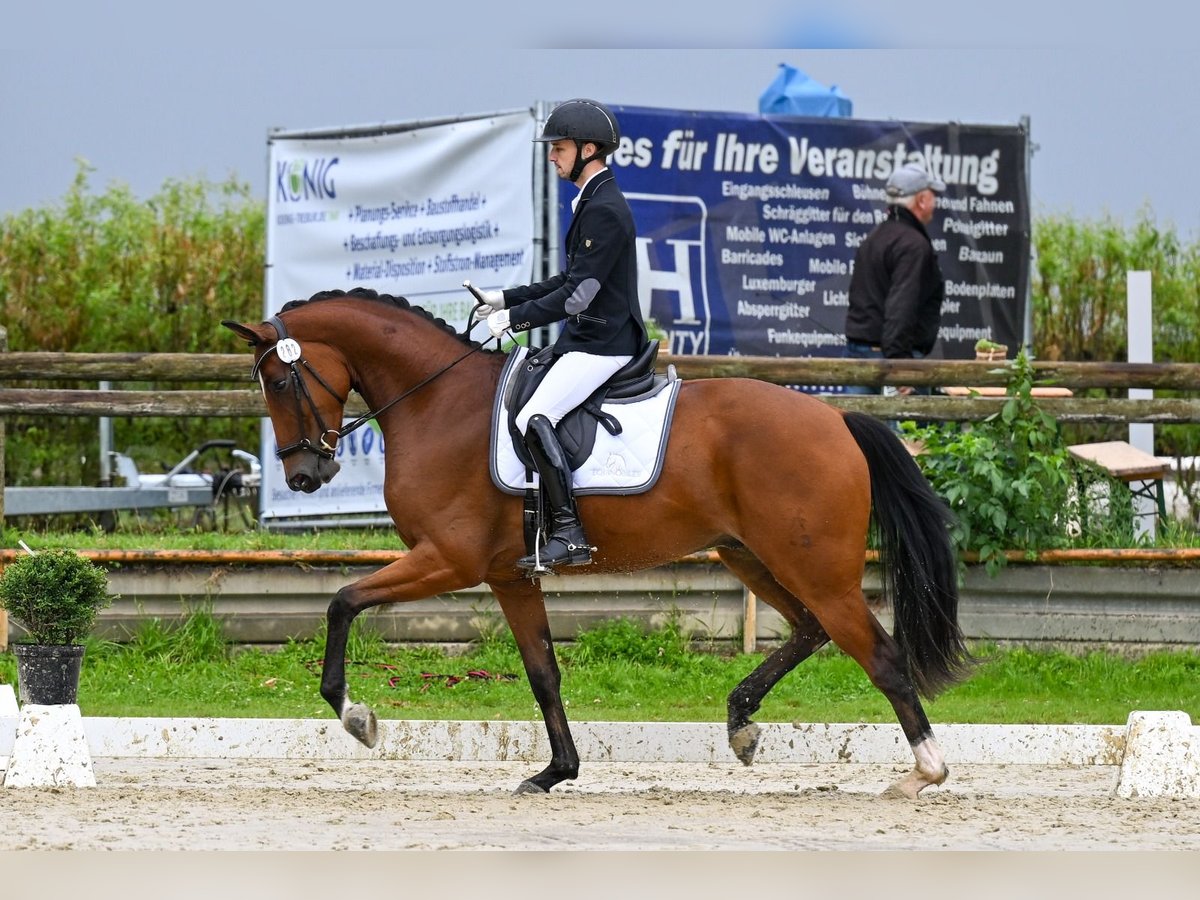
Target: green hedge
point(1079, 304)
point(106, 273)
point(1079, 288)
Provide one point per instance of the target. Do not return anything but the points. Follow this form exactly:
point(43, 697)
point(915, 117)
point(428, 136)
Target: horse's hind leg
point(525, 609)
point(844, 618)
point(888, 672)
point(806, 637)
point(852, 627)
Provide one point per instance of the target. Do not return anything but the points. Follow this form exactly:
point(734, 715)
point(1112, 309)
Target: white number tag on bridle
point(288, 350)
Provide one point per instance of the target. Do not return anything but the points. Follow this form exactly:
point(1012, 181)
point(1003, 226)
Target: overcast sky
point(1113, 119)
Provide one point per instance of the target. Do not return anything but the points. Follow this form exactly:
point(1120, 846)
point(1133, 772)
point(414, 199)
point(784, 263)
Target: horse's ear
point(255, 337)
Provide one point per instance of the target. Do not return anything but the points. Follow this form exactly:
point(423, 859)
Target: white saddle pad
point(626, 463)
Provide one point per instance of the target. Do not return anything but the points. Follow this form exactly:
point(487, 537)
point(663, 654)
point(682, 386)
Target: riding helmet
point(583, 121)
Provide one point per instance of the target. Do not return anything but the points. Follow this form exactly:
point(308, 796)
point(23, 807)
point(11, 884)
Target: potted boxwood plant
point(990, 351)
point(55, 596)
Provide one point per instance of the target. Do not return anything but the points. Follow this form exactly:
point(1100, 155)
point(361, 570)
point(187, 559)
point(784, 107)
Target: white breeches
point(570, 381)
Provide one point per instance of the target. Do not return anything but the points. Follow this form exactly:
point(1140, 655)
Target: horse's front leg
point(421, 573)
point(525, 609)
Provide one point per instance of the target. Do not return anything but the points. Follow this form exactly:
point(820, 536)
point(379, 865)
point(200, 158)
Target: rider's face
point(563, 155)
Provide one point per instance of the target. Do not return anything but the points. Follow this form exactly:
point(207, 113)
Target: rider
point(596, 298)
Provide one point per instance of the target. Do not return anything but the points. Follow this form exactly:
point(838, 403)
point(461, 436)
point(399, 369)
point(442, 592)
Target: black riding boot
point(566, 544)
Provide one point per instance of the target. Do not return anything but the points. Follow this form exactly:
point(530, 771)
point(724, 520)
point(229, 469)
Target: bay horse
point(783, 486)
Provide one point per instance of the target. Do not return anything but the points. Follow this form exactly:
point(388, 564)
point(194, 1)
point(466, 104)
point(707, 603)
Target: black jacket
point(597, 295)
point(897, 288)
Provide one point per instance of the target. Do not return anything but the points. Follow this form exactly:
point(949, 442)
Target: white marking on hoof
point(528, 787)
point(744, 742)
point(930, 769)
point(360, 721)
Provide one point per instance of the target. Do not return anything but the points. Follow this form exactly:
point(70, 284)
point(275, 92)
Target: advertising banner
point(747, 225)
point(410, 210)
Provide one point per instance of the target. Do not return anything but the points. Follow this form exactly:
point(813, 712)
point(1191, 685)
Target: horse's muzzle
point(302, 481)
point(307, 481)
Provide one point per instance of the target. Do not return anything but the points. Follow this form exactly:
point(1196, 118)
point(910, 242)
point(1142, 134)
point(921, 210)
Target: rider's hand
point(497, 322)
point(494, 301)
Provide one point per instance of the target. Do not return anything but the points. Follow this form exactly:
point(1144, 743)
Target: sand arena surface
point(213, 804)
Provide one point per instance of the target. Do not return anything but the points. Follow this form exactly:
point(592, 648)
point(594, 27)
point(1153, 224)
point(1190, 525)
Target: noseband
point(289, 352)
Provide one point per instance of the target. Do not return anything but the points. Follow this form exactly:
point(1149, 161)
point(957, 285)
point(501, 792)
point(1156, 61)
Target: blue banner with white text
point(747, 225)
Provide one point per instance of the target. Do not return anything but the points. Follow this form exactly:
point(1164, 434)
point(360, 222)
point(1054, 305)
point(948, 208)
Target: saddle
point(577, 430)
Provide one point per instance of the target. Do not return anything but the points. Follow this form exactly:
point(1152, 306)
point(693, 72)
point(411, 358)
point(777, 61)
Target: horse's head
point(305, 386)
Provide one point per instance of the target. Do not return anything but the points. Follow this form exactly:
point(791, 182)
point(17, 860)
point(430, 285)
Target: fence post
point(1139, 301)
point(749, 621)
point(3, 614)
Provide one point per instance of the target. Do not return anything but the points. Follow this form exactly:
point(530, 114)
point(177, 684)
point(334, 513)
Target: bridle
point(289, 352)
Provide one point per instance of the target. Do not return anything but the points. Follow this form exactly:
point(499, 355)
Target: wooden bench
point(1000, 391)
point(1127, 463)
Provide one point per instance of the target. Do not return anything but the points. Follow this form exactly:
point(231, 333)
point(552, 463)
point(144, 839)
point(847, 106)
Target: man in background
point(897, 287)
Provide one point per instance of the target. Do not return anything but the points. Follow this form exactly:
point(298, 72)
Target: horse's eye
point(278, 385)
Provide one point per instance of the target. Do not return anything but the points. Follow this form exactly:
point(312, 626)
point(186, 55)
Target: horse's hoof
point(744, 742)
point(360, 721)
point(528, 787)
point(910, 786)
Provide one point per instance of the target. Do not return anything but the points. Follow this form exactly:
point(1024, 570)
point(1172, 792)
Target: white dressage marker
point(1162, 756)
point(50, 749)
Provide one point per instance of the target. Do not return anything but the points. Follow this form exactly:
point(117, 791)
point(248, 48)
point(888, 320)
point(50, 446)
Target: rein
point(289, 352)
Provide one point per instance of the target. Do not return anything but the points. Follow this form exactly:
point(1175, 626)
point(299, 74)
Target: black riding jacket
point(597, 295)
point(897, 288)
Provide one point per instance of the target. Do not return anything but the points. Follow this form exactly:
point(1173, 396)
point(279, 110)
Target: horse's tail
point(917, 561)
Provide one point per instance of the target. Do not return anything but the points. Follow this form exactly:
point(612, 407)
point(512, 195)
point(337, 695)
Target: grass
point(614, 673)
point(174, 539)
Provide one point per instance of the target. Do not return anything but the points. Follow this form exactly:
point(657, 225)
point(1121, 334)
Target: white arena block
point(8, 702)
point(50, 749)
point(1162, 756)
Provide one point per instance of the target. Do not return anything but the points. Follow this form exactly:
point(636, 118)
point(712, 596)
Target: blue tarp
point(793, 93)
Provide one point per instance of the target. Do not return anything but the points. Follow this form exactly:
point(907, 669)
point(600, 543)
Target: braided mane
point(361, 293)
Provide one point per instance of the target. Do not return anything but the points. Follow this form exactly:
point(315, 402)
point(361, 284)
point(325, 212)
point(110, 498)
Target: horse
point(785, 488)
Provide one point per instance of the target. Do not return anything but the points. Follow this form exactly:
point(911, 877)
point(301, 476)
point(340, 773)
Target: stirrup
point(541, 562)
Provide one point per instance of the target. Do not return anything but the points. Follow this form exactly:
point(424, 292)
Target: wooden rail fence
point(810, 372)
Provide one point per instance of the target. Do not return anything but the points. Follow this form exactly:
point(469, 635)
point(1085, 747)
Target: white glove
point(494, 301)
point(497, 322)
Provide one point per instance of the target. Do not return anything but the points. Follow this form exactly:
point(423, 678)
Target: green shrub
point(1009, 479)
point(54, 595)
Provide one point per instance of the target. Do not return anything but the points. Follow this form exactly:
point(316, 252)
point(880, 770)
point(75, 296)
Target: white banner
point(411, 211)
